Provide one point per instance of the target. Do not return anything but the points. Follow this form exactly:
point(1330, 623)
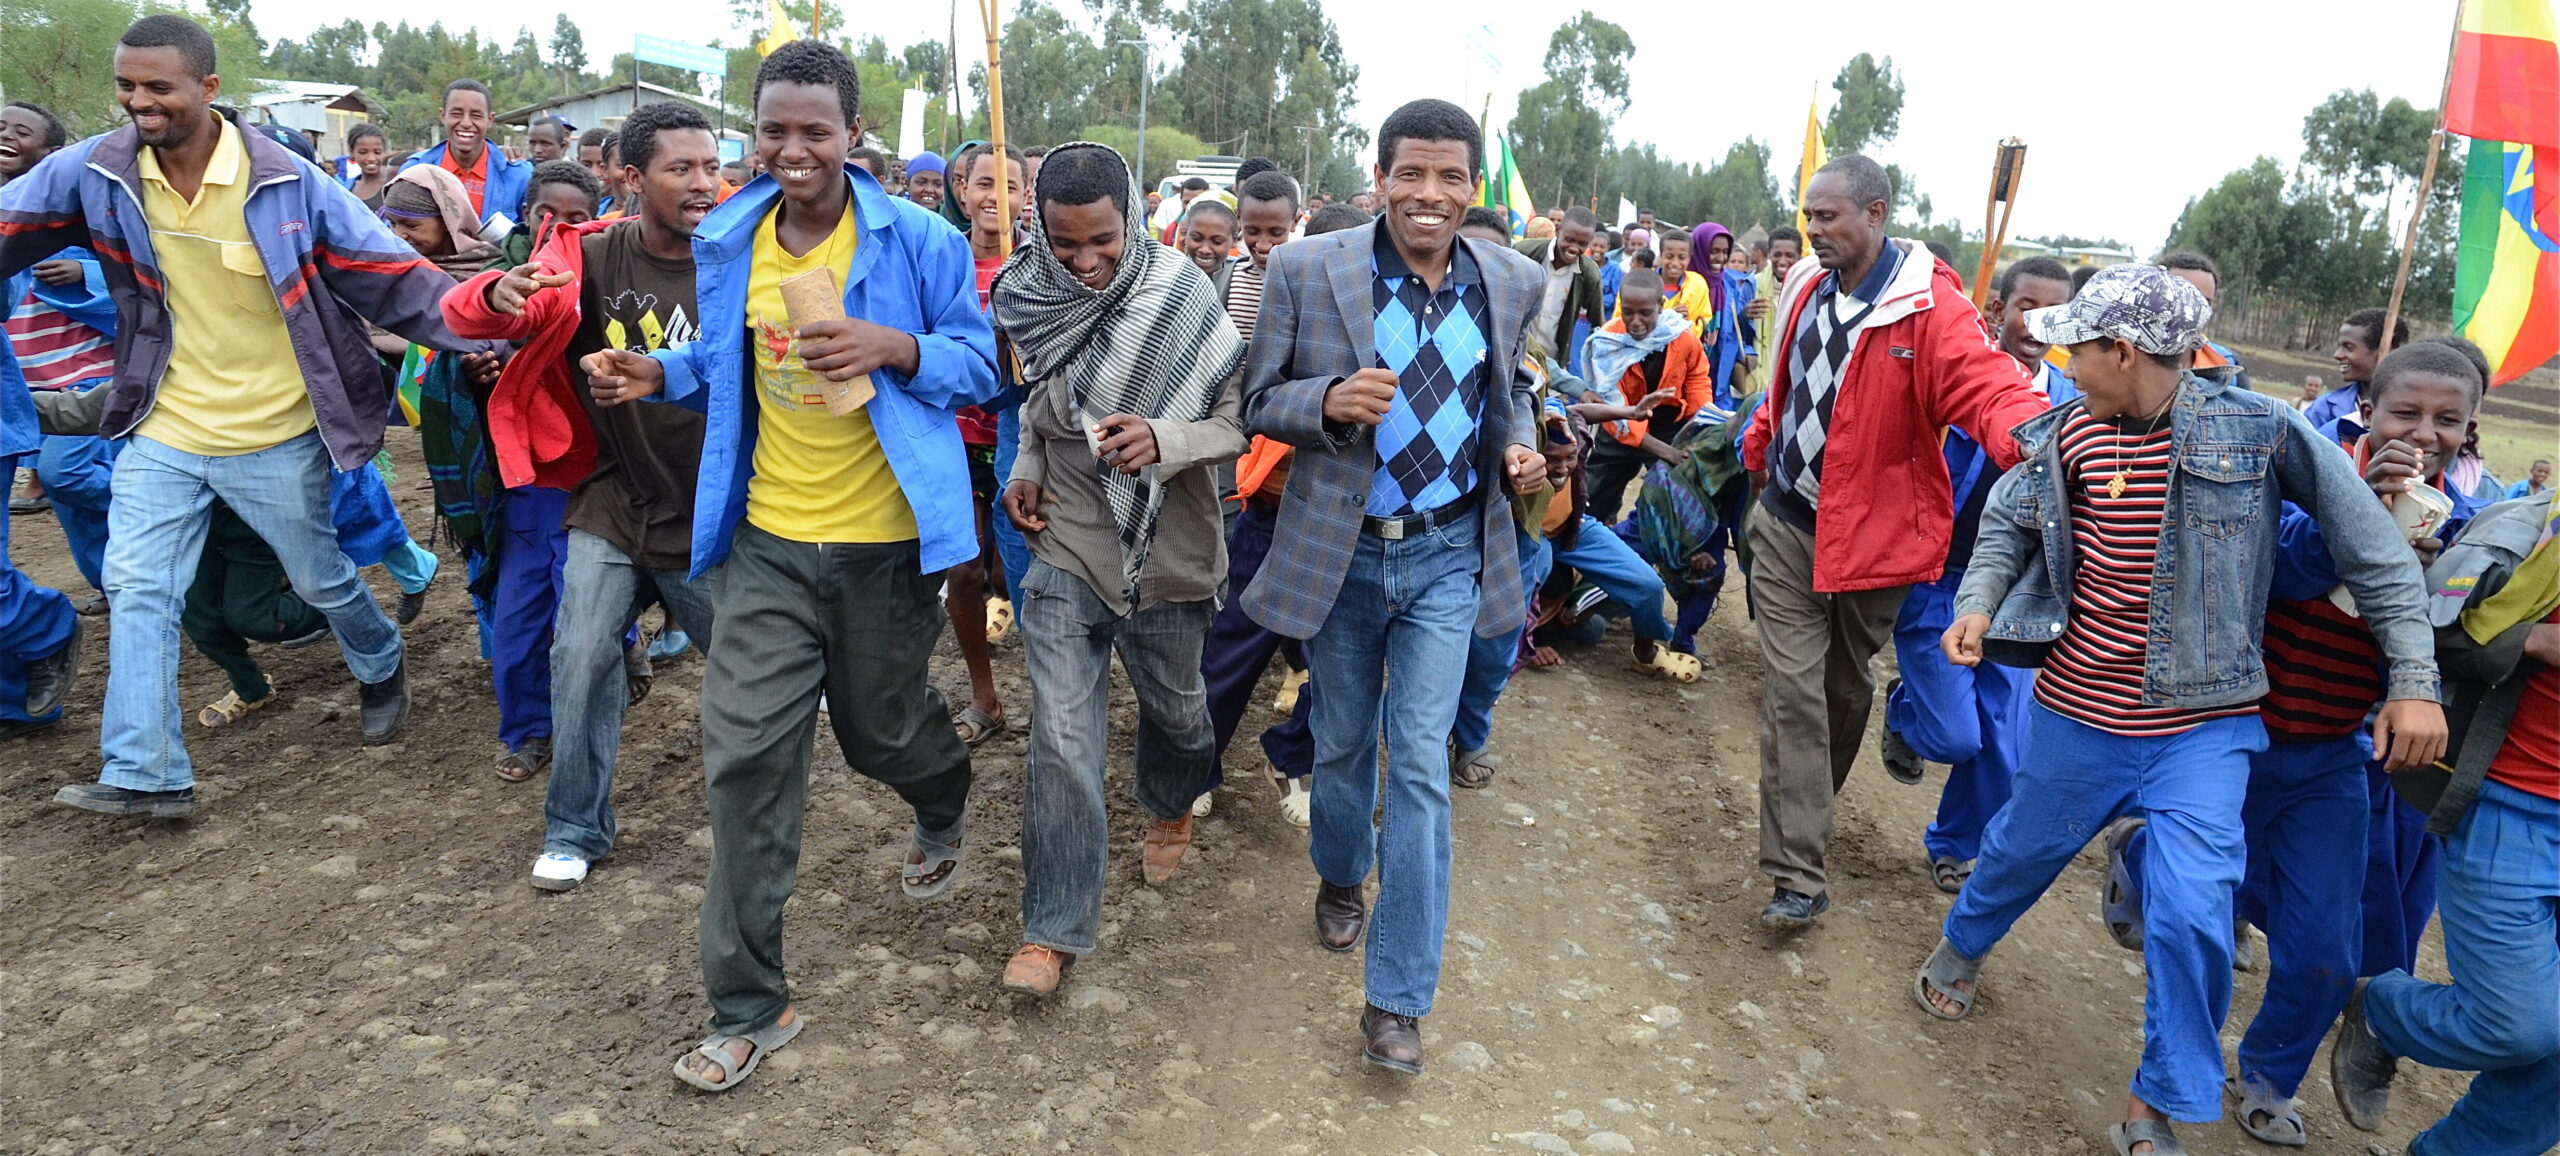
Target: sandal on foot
point(975, 726)
point(929, 868)
point(231, 708)
point(1947, 968)
point(2264, 1115)
point(733, 1072)
point(2163, 1141)
point(518, 765)
point(1474, 769)
point(1670, 664)
point(1950, 873)
point(999, 619)
point(2120, 900)
point(1292, 685)
point(637, 674)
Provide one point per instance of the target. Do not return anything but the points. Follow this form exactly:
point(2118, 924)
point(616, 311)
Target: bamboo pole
point(995, 120)
point(2008, 168)
point(2426, 187)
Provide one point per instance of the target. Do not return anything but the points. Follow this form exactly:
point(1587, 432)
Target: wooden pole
point(995, 119)
point(2008, 167)
point(2426, 189)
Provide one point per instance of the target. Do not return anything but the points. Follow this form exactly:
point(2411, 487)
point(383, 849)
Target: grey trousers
point(1815, 695)
point(793, 619)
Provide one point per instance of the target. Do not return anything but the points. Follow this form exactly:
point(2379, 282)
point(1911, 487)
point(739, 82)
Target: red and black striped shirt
point(2324, 671)
point(2117, 481)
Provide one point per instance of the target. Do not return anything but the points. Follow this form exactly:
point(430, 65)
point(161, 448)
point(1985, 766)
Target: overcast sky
point(2128, 109)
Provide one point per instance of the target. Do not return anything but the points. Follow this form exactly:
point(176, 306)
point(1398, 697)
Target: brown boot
point(1340, 915)
point(1394, 1041)
point(1036, 969)
point(1163, 850)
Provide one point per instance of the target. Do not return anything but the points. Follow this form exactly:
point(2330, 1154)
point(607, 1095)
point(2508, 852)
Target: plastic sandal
point(976, 726)
point(2120, 900)
point(929, 875)
point(1946, 968)
point(1949, 874)
point(2282, 1126)
point(2163, 1141)
point(231, 708)
point(1670, 664)
point(1474, 769)
point(732, 1072)
point(999, 619)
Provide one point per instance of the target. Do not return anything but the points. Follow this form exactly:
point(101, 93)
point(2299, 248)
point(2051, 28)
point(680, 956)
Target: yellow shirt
point(1693, 303)
point(232, 386)
point(818, 477)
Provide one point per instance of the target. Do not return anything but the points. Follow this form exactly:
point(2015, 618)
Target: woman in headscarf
point(1727, 336)
point(428, 208)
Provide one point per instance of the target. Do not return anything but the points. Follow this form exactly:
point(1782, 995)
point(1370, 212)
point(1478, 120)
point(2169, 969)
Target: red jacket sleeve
point(467, 312)
point(1973, 386)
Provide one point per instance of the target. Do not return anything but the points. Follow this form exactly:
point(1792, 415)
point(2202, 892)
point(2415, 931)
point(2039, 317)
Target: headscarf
point(1698, 239)
point(1540, 227)
point(1155, 342)
point(429, 191)
point(1611, 352)
point(950, 207)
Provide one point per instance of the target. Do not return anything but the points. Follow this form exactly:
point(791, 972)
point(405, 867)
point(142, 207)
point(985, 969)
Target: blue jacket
point(2303, 568)
point(503, 192)
point(18, 432)
point(332, 263)
point(2238, 457)
point(911, 271)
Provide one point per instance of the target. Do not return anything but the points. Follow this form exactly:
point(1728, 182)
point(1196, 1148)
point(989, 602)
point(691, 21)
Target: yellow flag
point(1814, 156)
point(781, 30)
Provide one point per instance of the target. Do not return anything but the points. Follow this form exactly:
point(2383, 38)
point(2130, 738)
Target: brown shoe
point(1395, 1042)
point(1036, 969)
point(1163, 850)
point(1340, 916)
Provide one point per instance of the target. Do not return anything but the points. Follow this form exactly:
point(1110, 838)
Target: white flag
point(911, 123)
point(1626, 212)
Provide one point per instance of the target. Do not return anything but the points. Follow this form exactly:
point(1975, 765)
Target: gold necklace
point(2116, 484)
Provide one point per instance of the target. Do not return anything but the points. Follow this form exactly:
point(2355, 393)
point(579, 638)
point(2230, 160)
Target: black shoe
point(1900, 761)
point(50, 679)
point(106, 800)
point(412, 604)
point(383, 706)
point(1793, 910)
point(2361, 1068)
point(1340, 917)
point(1394, 1041)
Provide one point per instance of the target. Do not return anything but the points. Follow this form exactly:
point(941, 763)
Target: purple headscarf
point(1698, 240)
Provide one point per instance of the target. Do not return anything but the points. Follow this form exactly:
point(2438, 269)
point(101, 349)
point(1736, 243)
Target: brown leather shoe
point(1340, 916)
point(1036, 969)
point(1395, 1042)
point(1163, 850)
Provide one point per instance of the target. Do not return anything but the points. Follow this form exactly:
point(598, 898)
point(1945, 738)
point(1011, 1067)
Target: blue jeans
point(411, 565)
point(2075, 780)
point(2500, 1016)
point(2305, 824)
point(35, 622)
point(156, 533)
point(1238, 649)
point(1402, 623)
point(78, 474)
point(1974, 719)
point(1615, 567)
point(1011, 549)
point(1491, 661)
point(588, 690)
point(1068, 637)
point(532, 551)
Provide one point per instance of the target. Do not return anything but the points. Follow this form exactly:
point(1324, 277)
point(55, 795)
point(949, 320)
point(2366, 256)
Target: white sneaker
point(1294, 801)
point(558, 872)
point(1200, 806)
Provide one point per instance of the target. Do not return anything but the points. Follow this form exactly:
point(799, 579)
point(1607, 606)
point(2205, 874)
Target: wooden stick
point(2002, 204)
point(2426, 188)
point(995, 121)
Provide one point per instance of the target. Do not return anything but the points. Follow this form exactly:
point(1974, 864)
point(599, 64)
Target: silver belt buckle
point(1391, 529)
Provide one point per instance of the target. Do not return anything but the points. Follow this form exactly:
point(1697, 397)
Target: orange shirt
point(475, 179)
point(1684, 369)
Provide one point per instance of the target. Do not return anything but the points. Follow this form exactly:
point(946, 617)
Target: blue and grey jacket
point(2237, 458)
point(332, 263)
point(501, 192)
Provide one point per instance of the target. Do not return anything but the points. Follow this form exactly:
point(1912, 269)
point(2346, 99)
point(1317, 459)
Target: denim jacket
point(2237, 457)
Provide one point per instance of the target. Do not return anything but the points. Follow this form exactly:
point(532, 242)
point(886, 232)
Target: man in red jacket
point(1880, 352)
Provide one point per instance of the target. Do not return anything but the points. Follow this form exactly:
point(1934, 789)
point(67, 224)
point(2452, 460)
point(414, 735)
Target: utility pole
point(1145, 74)
point(1307, 167)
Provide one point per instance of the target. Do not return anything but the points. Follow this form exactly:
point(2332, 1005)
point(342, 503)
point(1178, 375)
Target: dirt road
point(340, 955)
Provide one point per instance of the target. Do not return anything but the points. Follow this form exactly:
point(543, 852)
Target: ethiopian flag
point(2505, 95)
point(1502, 184)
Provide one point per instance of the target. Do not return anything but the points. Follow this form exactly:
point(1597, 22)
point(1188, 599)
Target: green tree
point(61, 54)
point(1869, 108)
point(1739, 191)
point(1255, 77)
point(1560, 128)
point(568, 47)
point(1165, 146)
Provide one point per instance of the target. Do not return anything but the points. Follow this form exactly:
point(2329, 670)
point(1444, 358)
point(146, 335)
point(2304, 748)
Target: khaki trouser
point(1814, 695)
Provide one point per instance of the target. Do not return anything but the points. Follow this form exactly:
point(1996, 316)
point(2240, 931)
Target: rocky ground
point(340, 955)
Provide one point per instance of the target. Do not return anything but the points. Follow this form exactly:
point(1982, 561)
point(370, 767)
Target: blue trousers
point(1238, 650)
point(1011, 549)
point(1974, 720)
point(35, 622)
point(2500, 1016)
point(78, 473)
point(1622, 574)
point(1381, 669)
point(2399, 877)
point(2305, 823)
point(533, 550)
point(1490, 661)
point(2074, 781)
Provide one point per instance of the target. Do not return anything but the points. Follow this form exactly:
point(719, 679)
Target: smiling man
point(246, 376)
point(835, 527)
point(494, 183)
point(1574, 291)
point(625, 284)
point(1390, 355)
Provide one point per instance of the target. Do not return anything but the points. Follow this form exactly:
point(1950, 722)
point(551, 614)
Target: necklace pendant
point(2115, 485)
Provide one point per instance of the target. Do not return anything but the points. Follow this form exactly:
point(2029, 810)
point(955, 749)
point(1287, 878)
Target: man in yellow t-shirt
point(830, 532)
point(243, 377)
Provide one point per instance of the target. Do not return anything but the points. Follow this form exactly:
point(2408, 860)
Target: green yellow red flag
point(2503, 91)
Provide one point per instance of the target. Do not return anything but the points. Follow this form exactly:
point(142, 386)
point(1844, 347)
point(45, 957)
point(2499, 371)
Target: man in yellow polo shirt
point(246, 377)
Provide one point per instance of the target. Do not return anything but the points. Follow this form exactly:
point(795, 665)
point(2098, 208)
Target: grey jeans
point(1814, 695)
point(1068, 636)
point(602, 591)
point(859, 623)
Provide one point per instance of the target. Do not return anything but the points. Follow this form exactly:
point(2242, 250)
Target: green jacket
point(1587, 303)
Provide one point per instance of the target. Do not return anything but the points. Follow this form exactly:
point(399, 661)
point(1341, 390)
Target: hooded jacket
point(501, 194)
point(332, 263)
point(536, 423)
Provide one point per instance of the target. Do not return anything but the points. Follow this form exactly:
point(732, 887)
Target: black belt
point(1409, 525)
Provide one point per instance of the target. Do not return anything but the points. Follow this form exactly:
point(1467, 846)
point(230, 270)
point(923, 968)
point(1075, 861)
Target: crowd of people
point(2293, 661)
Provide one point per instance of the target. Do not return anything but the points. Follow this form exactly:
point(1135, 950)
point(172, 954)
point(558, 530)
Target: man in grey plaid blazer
point(1390, 355)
